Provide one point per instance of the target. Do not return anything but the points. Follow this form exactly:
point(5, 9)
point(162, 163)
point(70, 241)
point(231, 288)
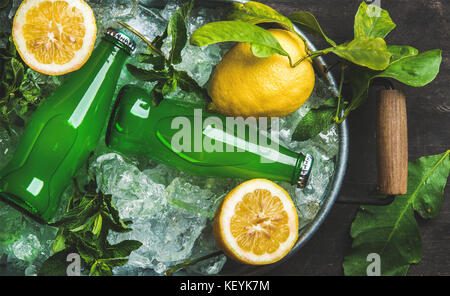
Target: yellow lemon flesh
point(54, 37)
point(245, 85)
point(257, 223)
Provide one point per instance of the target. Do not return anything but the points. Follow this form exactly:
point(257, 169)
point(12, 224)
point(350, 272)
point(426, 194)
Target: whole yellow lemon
point(245, 85)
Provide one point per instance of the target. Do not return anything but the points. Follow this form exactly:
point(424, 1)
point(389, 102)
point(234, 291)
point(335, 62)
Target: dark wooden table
point(425, 25)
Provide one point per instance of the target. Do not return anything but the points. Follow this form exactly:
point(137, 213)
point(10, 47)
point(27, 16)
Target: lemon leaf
point(367, 52)
point(391, 231)
point(308, 23)
point(257, 13)
point(399, 52)
point(262, 42)
point(372, 21)
point(417, 70)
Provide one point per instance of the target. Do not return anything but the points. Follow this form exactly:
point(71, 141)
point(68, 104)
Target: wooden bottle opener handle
point(392, 143)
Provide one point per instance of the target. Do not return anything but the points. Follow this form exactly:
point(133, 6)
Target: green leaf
point(114, 262)
point(147, 75)
point(391, 231)
point(188, 84)
point(78, 215)
point(262, 42)
point(158, 62)
point(17, 72)
point(97, 227)
point(418, 70)
point(118, 224)
point(427, 177)
point(307, 22)
point(367, 52)
point(60, 243)
point(315, 121)
point(257, 13)
point(169, 86)
point(120, 227)
point(177, 30)
point(123, 249)
point(399, 52)
point(56, 265)
point(360, 79)
point(407, 67)
point(372, 21)
point(100, 268)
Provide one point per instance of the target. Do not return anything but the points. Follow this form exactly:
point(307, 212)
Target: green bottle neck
point(109, 53)
point(100, 72)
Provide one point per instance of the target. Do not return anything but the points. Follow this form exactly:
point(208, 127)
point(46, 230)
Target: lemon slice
point(257, 223)
point(54, 37)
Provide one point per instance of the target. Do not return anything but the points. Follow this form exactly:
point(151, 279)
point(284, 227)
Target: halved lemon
point(257, 223)
point(54, 37)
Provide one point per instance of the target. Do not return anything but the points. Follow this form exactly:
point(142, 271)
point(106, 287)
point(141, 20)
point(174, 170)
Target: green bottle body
point(185, 136)
point(62, 132)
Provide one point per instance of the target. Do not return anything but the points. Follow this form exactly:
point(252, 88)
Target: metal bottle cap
point(124, 39)
point(305, 172)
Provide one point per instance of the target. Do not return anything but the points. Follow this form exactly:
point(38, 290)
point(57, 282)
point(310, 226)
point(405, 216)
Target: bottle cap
point(305, 172)
point(124, 39)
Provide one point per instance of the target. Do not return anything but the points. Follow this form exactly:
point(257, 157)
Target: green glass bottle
point(183, 135)
point(64, 130)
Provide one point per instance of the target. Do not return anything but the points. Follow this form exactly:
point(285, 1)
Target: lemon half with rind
point(54, 37)
point(257, 223)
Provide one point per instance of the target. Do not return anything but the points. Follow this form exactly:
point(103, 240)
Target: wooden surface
point(425, 25)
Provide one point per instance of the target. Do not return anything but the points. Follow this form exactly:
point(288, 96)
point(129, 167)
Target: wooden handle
point(392, 143)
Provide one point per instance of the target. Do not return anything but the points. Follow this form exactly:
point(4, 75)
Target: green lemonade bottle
point(183, 135)
point(64, 130)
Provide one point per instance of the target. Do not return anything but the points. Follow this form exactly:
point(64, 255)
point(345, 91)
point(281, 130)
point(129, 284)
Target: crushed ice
point(171, 211)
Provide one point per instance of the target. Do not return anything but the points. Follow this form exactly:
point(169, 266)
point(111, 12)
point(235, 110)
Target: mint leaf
point(177, 30)
point(391, 231)
point(100, 268)
point(123, 249)
point(56, 265)
point(372, 21)
point(315, 121)
point(18, 90)
point(147, 75)
point(188, 84)
point(158, 62)
point(84, 230)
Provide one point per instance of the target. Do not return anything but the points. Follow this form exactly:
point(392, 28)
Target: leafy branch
point(364, 58)
point(163, 72)
point(18, 90)
point(84, 228)
point(364, 63)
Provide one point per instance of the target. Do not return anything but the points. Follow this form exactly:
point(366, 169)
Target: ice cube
point(192, 198)
point(205, 245)
point(28, 248)
point(133, 192)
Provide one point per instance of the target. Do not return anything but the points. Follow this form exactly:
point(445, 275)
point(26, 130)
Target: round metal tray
point(234, 268)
